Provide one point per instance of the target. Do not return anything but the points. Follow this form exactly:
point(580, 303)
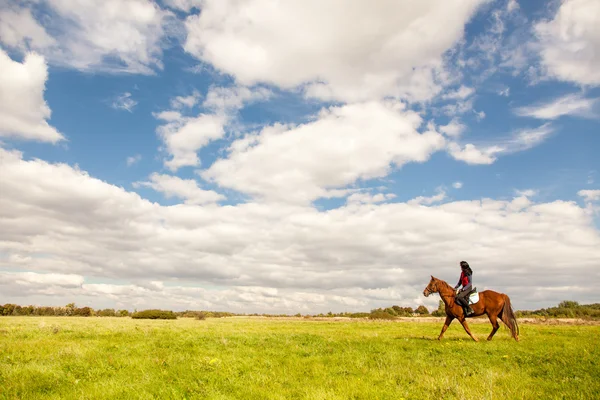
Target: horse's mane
point(444, 283)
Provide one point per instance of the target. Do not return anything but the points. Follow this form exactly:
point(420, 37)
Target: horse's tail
point(509, 318)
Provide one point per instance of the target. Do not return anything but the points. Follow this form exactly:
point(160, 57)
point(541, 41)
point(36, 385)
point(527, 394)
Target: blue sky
point(258, 156)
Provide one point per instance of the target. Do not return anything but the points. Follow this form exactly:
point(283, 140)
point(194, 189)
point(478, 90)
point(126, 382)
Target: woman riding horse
point(466, 281)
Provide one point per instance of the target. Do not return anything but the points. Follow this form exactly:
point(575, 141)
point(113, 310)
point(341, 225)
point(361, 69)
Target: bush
point(153, 314)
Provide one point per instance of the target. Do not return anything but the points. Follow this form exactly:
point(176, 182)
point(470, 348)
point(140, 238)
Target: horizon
point(272, 157)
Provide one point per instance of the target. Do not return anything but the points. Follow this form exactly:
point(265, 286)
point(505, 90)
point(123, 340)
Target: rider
point(466, 281)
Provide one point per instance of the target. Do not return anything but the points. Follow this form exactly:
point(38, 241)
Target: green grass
point(243, 358)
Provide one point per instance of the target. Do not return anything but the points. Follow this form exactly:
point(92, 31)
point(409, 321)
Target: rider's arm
point(459, 281)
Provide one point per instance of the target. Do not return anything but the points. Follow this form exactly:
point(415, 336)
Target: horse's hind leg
point(446, 325)
point(495, 325)
point(463, 321)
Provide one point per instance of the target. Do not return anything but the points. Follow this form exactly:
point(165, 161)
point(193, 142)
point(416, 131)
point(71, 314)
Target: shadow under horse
point(495, 305)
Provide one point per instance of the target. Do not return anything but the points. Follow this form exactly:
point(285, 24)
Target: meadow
point(260, 358)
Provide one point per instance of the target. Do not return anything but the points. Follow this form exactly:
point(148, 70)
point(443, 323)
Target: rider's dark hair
point(465, 267)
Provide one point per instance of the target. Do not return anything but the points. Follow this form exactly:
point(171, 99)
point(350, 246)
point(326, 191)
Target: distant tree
point(568, 304)
point(83, 312)
point(441, 311)
point(70, 308)
point(422, 310)
point(392, 310)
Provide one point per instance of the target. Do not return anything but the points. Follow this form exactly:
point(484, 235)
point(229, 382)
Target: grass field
point(244, 358)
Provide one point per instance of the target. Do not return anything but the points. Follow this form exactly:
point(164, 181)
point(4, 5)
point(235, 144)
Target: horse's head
point(432, 287)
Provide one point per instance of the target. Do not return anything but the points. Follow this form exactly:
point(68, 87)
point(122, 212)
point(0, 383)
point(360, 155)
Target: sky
point(283, 157)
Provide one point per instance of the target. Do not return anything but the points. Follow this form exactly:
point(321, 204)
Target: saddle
point(473, 296)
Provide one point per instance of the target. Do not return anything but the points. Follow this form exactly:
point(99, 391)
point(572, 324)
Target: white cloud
point(108, 35)
point(573, 104)
point(570, 42)
point(226, 99)
point(521, 140)
point(590, 195)
point(454, 129)
point(124, 102)
point(512, 5)
point(305, 162)
point(18, 29)
point(185, 101)
point(183, 135)
point(367, 198)
point(133, 160)
point(473, 155)
point(457, 185)
point(187, 189)
point(525, 139)
point(459, 94)
point(504, 92)
point(479, 115)
point(184, 5)
point(526, 193)
point(459, 107)
point(23, 111)
point(440, 196)
point(389, 49)
point(267, 257)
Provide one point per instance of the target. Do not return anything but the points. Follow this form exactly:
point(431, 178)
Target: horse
point(495, 305)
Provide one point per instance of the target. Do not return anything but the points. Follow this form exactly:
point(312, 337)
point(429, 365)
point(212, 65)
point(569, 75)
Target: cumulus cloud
point(526, 192)
point(308, 161)
point(367, 198)
point(457, 185)
point(111, 35)
point(428, 200)
point(184, 135)
point(572, 104)
point(18, 29)
point(472, 154)
point(570, 42)
point(23, 110)
point(185, 101)
point(453, 129)
point(186, 189)
point(227, 99)
point(389, 49)
point(57, 219)
point(590, 195)
point(183, 5)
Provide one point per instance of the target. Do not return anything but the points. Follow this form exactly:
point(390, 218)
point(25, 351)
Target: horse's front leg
point(446, 325)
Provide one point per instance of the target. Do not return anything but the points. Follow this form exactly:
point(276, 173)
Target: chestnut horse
point(495, 305)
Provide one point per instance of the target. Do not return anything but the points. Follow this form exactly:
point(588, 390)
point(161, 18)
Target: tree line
point(565, 309)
